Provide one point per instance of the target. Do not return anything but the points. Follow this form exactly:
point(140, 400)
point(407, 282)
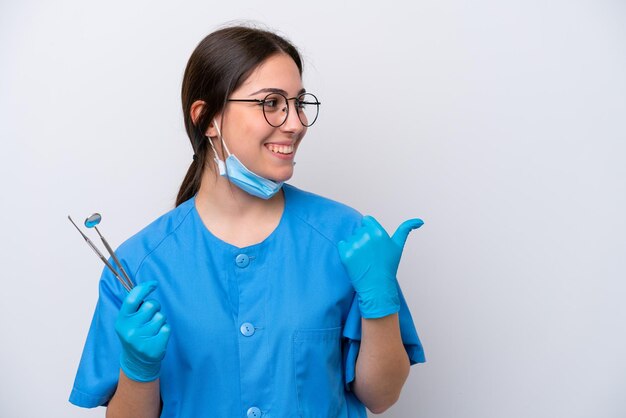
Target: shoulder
point(138, 247)
point(332, 219)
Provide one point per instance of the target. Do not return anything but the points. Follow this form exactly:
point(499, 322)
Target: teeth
point(281, 149)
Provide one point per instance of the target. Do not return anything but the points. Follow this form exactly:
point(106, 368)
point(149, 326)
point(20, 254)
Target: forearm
point(382, 365)
point(134, 399)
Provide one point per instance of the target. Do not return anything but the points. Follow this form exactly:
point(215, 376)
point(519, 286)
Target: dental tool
point(92, 222)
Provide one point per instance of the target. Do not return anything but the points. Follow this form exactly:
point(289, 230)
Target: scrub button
point(242, 260)
point(247, 329)
point(254, 412)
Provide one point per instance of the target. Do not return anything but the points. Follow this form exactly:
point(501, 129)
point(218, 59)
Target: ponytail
point(193, 178)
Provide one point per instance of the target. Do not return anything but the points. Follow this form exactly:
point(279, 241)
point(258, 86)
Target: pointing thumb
point(402, 233)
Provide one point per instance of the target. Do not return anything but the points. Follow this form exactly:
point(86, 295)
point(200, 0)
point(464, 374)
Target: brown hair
point(220, 63)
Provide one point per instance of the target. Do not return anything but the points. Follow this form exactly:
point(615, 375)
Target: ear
point(196, 109)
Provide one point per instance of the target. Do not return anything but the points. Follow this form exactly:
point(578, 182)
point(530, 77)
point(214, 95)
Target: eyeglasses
point(276, 108)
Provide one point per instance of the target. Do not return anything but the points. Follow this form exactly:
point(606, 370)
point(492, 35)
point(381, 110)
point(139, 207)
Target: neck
point(233, 215)
point(220, 198)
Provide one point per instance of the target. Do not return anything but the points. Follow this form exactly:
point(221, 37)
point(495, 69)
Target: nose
point(292, 123)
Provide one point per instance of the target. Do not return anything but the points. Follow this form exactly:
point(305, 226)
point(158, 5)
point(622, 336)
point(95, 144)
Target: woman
point(279, 303)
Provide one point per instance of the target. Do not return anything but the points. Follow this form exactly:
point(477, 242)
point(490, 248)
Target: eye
point(274, 103)
point(270, 103)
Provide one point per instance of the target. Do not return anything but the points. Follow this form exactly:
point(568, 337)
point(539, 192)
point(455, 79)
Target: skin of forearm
point(134, 399)
point(382, 366)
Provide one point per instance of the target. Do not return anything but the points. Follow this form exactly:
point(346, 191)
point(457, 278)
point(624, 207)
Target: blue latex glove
point(144, 334)
point(371, 258)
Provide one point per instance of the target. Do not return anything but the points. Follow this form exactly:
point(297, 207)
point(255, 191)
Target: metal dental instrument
point(90, 222)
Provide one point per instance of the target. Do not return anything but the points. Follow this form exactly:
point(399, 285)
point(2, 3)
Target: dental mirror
point(93, 220)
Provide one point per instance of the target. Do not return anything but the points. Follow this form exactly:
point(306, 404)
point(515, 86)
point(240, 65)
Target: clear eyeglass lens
point(308, 108)
point(275, 109)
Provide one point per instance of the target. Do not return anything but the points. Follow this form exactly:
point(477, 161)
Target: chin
point(282, 177)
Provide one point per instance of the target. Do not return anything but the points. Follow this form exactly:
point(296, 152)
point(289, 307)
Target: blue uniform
point(271, 330)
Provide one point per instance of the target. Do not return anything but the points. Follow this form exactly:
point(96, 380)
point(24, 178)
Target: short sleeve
point(98, 371)
point(352, 337)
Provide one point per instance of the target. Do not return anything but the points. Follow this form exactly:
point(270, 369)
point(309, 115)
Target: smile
point(280, 149)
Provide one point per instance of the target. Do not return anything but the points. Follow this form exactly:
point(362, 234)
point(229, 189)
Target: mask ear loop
point(212, 147)
point(219, 133)
point(221, 165)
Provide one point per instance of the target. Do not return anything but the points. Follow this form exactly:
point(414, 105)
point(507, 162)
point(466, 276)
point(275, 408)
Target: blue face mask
point(241, 176)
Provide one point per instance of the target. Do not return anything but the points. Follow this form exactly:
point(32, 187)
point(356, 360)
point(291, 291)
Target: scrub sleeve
point(96, 381)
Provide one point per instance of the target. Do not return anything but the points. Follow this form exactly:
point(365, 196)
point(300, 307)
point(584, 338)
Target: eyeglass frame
point(261, 102)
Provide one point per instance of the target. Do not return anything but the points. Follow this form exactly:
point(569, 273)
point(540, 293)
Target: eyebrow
point(276, 90)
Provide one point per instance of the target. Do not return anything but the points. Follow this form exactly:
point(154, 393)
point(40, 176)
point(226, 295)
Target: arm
point(382, 365)
point(371, 258)
point(134, 399)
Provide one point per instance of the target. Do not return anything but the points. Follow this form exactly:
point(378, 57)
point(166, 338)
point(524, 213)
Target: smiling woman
point(268, 300)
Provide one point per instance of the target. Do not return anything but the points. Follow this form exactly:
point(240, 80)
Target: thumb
point(136, 297)
point(402, 233)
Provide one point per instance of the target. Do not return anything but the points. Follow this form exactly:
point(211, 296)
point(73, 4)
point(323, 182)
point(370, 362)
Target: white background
point(501, 123)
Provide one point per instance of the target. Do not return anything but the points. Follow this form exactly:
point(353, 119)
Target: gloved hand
point(371, 258)
point(143, 332)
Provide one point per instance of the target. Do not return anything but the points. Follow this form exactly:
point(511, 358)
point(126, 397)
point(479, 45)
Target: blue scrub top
point(269, 330)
